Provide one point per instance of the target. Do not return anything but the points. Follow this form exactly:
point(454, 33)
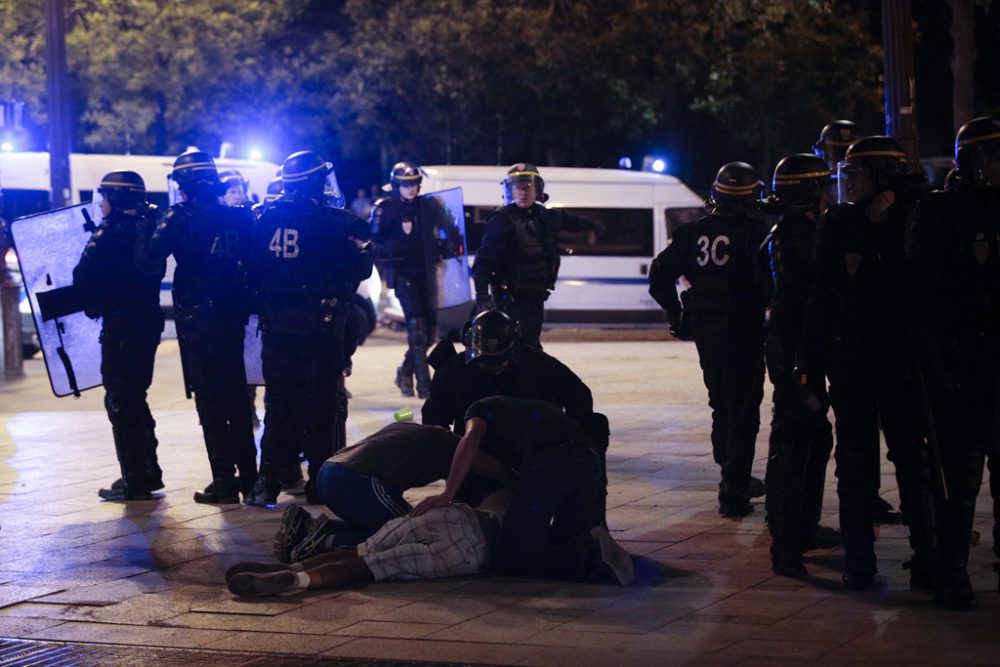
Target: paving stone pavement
point(150, 574)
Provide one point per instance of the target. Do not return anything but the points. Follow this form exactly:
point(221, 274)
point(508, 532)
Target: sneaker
point(823, 537)
point(260, 495)
point(404, 381)
point(614, 556)
point(296, 523)
point(883, 513)
point(248, 584)
point(254, 568)
point(314, 541)
point(755, 487)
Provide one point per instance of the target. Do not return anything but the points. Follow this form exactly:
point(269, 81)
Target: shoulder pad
point(381, 201)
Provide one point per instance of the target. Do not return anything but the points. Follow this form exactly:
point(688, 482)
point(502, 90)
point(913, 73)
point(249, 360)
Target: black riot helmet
point(195, 173)
point(405, 173)
point(273, 189)
point(800, 180)
point(523, 171)
point(833, 141)
point(871, 165)
point(735, 191)
point(490, 338)
point(305, 172)
point(977, 151)
point(123, 190)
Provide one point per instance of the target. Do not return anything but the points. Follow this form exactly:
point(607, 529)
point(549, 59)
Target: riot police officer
point(519, 252)
point(305, 269)
point(953, 248)
point(718, 255)
point(404, 248)
point(854, 335)
point(831, 146)
point(119, 283)
point(801, 438)
point(834, 139)
point(497, 363)
point(208, 241)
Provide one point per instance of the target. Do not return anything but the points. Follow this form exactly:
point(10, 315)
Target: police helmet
point(884, 159)
point(834, 139)
point(195, 173)
point(273, 189)
point(976, 141)
point(800, 179)
point(735, 189)
point(405, 173)
point(305, 172)
point(491, 336)
point(123, 189)
point(523, 171)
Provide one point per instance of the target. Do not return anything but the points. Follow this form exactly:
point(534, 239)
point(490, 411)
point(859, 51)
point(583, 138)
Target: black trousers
point(128, 351)
point(731, 354)
point(546, 531)
point(798, 452)
point(529, 312)
point(212, 353)
point(303, 372)
point(873, 389)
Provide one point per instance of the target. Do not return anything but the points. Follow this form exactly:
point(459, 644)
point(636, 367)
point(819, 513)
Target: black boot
point(222, 491)
point(416, 338)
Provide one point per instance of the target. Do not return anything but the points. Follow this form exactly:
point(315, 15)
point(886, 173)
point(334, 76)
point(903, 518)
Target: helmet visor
point(332, 195)
point(853, 182)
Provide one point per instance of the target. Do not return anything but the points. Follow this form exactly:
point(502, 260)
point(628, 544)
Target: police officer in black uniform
point(855, 335)
point(398, 229)
point(519, 252)
point(719, 257)
point(801, 438)
point(953, 247)
point(208, 241)
point(305, 268)
point(120, 283)
point(497, 363)
point(831, 146)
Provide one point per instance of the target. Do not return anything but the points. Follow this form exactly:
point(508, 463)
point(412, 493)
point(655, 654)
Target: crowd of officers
point(885, 306)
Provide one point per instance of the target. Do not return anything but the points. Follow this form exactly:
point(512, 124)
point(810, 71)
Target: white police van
point(604, 275)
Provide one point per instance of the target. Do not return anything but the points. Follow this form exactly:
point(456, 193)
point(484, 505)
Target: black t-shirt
point(403, 456)
point(516, 428)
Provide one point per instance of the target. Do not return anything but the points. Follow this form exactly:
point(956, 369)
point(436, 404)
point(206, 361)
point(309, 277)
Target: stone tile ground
point(150, 574)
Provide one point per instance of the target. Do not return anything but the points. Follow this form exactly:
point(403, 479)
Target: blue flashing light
point(659, 165)
point(625, 163)
point(6, 147)
point(256, 154)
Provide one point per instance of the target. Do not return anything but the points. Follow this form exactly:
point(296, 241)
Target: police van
point(603, 276)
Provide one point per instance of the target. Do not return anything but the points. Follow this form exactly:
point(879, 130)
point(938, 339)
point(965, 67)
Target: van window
point(622, 232)
point(475, 225)
point(17, 203)
point(676, 217)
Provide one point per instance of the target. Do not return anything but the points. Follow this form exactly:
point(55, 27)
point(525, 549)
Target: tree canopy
point(467, 81)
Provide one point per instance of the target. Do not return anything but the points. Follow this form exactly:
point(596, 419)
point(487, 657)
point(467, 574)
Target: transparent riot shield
point(253, 347)
point(49, 246)
point(443, 219)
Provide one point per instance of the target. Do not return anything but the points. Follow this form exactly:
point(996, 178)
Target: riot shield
point(443, 219)
point(49, 246)
point(253, 346)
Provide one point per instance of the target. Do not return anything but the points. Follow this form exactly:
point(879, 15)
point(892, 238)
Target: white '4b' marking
point(285, 243)
point(713, 250)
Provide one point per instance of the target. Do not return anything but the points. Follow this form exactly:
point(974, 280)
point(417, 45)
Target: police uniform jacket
point(208, 242)
point(519, 247)
point(790, 253)
point(116, 277)
point(953, 246)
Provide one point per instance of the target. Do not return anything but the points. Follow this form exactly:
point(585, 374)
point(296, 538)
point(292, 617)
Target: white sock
point(302, 580)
